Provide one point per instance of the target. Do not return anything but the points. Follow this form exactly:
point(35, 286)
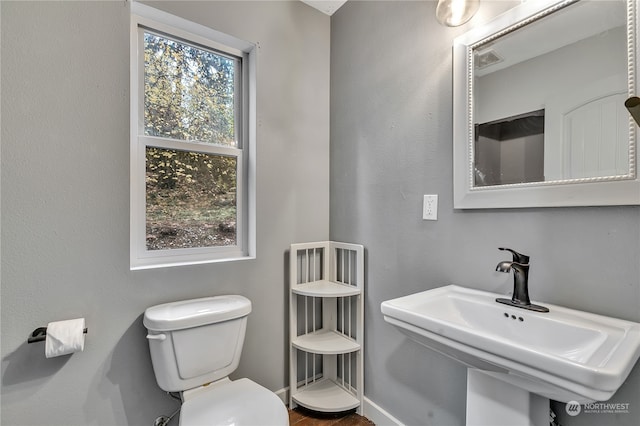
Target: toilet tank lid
point(195, 312)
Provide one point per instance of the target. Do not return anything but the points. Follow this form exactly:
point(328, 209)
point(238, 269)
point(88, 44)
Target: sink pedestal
point(493, 402)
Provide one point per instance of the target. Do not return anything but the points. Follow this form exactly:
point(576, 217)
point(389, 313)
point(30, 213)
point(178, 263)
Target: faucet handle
point(517, 257)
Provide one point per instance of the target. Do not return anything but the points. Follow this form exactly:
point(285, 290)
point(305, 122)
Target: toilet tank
point(195, 342)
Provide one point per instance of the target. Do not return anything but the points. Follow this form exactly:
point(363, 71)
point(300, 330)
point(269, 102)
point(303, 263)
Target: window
point(192, 143)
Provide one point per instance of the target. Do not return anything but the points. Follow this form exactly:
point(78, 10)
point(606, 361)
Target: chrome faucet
point(520, 268)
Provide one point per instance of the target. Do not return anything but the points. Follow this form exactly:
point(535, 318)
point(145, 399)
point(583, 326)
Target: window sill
point(139, 265)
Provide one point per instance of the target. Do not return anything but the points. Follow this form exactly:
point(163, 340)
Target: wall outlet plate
point(430, 207)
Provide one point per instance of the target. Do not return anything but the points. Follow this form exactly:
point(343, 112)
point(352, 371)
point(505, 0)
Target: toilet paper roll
point(64, 337)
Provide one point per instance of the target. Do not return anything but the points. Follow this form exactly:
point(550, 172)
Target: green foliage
point(188, 92)
point(191, 197)
point(191, 172)
point(188, 95)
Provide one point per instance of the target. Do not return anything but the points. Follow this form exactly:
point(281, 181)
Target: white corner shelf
point(326, 326)
point(324, 288)
point(326, 396)
point(325, 342)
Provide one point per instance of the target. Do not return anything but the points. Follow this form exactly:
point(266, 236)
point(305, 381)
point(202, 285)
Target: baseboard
point(378, 415)
point(283, 394)
point(371, 410)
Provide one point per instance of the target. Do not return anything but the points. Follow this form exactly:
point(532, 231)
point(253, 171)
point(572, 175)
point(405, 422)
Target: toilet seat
point(240, 403)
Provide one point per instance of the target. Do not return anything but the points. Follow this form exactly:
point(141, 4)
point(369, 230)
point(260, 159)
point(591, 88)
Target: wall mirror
point(539, 116)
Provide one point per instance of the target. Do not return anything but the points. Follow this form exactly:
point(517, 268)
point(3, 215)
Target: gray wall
point(65, 202)
point(391, 131)
point(65, 193)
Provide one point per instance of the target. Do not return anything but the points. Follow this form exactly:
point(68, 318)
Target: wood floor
point(303, 417)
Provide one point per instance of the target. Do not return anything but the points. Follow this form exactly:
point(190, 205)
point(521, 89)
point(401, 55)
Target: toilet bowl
point(238, 402)
point(194, 346)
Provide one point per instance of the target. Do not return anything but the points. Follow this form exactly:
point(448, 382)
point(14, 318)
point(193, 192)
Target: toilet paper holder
point(40, 335)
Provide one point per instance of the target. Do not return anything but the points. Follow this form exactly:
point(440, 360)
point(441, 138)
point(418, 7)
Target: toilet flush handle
point(160, 336)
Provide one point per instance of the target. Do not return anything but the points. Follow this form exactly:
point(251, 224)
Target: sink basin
point(565, 354)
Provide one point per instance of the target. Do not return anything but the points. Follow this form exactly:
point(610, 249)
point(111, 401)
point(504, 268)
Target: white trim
point(143, 16)
point(283, 394)
point(251, 152)
point(166, 22)
point(378, 415)
point(186, 261)
point(192, 146)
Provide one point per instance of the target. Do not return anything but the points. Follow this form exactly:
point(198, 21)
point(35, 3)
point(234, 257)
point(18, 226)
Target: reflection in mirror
point(539, 107)
point(556, 87)
point(510, 150)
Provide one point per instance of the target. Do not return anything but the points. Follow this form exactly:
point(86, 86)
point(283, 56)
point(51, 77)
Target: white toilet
point(195, 345)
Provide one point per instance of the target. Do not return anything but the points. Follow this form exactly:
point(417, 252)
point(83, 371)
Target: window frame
point(145, 18)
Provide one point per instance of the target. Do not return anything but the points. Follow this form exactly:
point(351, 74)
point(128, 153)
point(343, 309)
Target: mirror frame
point(598, 191)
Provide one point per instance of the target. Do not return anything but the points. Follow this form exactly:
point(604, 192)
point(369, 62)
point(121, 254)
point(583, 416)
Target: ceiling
point(325, 6)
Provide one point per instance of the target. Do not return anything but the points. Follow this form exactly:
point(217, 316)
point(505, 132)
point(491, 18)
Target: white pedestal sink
point(519, 359)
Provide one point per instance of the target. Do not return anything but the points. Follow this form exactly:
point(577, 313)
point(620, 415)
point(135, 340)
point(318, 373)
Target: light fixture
point(456, 12)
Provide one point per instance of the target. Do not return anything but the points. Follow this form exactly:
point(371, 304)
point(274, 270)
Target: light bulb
point(453, 13)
